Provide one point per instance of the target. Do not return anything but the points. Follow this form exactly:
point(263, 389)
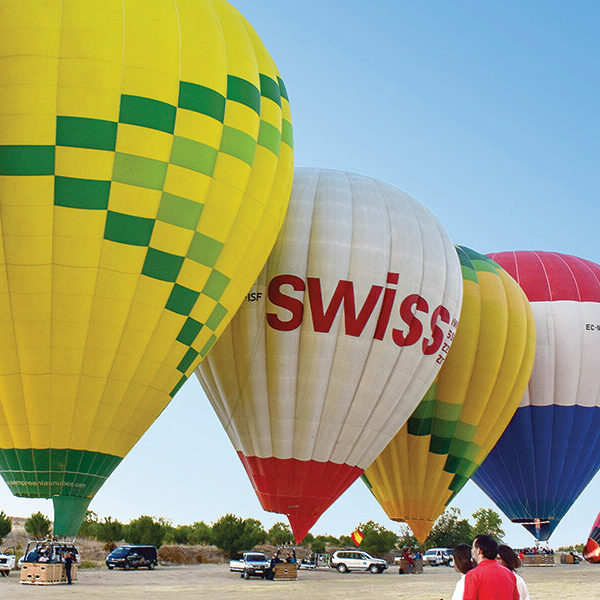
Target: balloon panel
point(549, 451)
point(337, 341)
point(145, 167)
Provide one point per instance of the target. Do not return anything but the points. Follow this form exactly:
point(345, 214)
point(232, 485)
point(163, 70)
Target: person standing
point(68, 558)
point(463, 563)
point(489, 580)
point(508, 558)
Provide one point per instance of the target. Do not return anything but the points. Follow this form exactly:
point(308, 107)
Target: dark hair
point(488, 546)
point(462, 558)
point(509, 556)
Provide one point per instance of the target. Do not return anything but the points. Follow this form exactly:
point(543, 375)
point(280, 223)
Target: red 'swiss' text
point(419, 321)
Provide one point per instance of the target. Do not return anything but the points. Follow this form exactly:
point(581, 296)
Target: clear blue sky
point(488, 113)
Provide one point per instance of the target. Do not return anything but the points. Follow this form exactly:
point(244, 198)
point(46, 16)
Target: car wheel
point(127, 566)
point(246, 575)
point(110, 567)
point(151, 566)
point(342, 568)
point(374, 569)
point(242, 574)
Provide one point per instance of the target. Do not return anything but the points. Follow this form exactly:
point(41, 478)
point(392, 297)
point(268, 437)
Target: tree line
point(233, 534)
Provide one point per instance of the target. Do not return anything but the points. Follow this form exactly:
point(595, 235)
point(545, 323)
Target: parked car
point(132, 557)
point(251, 564)
point(7, 561)
point(435, 557)
point(357, 560)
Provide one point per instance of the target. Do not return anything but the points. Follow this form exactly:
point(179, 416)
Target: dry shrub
point(190, 555)
point(210, 554)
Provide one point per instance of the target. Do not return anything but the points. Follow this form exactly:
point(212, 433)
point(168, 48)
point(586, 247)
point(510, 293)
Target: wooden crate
point(285, 571)
point(538, 560)
point(46, 573)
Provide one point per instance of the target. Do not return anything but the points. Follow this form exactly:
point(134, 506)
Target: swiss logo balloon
point(337, 342)
point(145, 169)
point(551, 448)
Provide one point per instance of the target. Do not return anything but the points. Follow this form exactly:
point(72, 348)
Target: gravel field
point(562, 582)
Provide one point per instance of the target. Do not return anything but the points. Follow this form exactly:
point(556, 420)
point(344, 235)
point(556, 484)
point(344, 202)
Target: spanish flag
point(357, 537)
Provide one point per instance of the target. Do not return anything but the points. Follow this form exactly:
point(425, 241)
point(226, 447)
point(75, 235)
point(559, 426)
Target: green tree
point(178, 535)
point(575, 548)
point(318, 544)
point(5, 525)
point(200, 533)
point(145, 530)
point(109, 530)
point(488, 521)
point(346, 540)
point(280, 534)
point(449, 530)
point(89, 526)
point(309, 538)
point(377, 539)
point(38, 526)
point(406, 539)
point(233, 534)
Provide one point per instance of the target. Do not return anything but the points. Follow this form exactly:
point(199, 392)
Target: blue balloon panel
point(541, 464)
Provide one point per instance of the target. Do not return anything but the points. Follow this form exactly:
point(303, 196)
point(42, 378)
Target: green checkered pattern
point(139, 171)
point(441, 420)
point(51, 472)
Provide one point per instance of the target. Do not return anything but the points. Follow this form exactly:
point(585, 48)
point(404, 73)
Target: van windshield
point(121, 551)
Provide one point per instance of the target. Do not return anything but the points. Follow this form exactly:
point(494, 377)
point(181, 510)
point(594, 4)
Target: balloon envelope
point(551, 448)
point(337, 341)
point(591, 551)
point(145, 168)
point(468, 406)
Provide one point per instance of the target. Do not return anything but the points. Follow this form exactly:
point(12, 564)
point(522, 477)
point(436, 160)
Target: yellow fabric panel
point(89, 71)
point(517, 364)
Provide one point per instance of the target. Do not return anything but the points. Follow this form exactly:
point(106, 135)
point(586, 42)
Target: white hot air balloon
point(337, 342)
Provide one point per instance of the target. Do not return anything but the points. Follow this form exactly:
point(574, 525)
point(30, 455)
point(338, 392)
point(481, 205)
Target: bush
point(5, 526)
point(145, 530)
point(38, 526)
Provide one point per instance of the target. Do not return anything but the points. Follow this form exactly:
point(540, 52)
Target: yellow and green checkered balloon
point(145, 170)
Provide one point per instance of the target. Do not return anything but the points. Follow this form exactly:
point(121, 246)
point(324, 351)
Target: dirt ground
point(562, 582)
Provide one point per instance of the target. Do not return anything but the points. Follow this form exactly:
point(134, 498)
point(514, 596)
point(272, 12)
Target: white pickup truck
point(252, 564)
point(7, 561)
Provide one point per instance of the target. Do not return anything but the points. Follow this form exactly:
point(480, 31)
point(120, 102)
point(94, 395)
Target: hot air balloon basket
point(285, 571)
point(404, 567)
point(46, 574)
point(538, 560)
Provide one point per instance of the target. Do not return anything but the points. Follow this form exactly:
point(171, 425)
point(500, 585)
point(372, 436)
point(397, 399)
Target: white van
point(438, 556)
